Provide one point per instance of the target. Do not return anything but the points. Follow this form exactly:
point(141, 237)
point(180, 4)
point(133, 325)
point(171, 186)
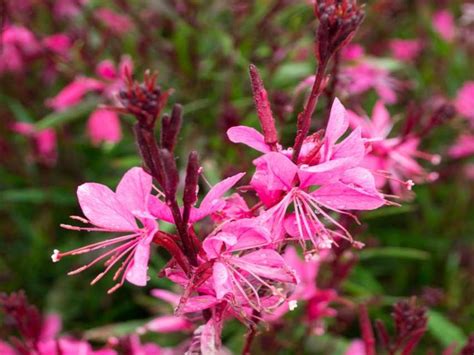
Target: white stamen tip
point(55, 257)
point(292, 305)
point(436, 159)
point(410, 184)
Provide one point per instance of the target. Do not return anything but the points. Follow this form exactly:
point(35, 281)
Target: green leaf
point(36, 196)
point(444, 330)
point(17, 108)
point(114, 330)
point(56, 119)
point(389, 211)
point(394, 252)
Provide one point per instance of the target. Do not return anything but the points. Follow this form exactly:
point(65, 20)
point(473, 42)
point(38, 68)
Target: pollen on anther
point(55, 256)
point(292, 305)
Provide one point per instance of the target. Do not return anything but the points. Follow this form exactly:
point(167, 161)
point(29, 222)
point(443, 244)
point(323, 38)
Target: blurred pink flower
point(443, 23)
point(356, 347)
point(464, 101)
point(58, 43)
point(405, 49)
point(18, 44)
point(116, 23)
point(45, 141)
point(464, 146)
point(67, 8)
point(352, 52)
point(74, 93)
point(364, 76)
point(104, 126)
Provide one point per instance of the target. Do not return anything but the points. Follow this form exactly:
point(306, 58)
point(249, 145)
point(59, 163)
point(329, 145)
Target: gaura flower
point(118, 212)
point(45, 141)
point(406, 50)
point(464, 147)
point(392, 159)
point(443, 24)
point(464, 100)
point(327, 176)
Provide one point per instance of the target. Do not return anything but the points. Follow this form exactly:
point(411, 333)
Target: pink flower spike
point(443, 24)
point(110, 211)
point(104, 126)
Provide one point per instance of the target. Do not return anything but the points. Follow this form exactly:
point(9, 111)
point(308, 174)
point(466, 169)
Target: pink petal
point(355, 191)
point(103, 209)
point(6, 349)
point(352, 147)
point(137, 274)
point(338, 122)
point(356, 347)
point(221, 280)
point(159, 209)
point(266, 263)
point(250, 234)
point(168, 324)
point(104, 126)
point(51, 326)
point(324, 173)
point(73, 93)
point(214, 244)
point(133, 191)
point(212, 202)
point(381, 120)
point(167, 296)
point(199, 303)
point(106, 70)
point(274, 172)
point(443, 23)
point(248, 136)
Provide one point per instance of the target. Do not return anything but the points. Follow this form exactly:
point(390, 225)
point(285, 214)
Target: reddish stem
point(367, 332)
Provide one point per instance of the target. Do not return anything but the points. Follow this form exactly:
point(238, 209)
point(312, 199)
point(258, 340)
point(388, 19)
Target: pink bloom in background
point(44, 141)
point(352, 52)
point(104, 126)
point(406, 50)
point(68, 8)
point(18, 44)
point(58, 43)
point(392, 159)
point(74, 93)
point(117, 212)
point(356, 347)
point(443, 23)
point(116, 23)
point(364, 76)
point(464, 101)
point(464, 146)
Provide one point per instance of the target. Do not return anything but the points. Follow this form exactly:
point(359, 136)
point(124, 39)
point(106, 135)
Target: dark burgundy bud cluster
point(23, 318)
point(338, 22)
point(468, 349)
point(146, 101)
point(410, 322)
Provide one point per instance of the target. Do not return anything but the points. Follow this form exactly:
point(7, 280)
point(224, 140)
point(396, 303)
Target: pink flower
point(327, 176)
point(406, 49)
point(74, 93)
point(464, 100)
point(443, 24)
point(116, 23)
point(117, 212)
point(352, 52)
point(464, 147)
point(167, 324)
point(58, 43)
point(68, 8)
point(18, 45)
point(365, 76)
point(104, 126)
point(45, 141)
point(392, 159)
point(239, 269)
point(356, 347)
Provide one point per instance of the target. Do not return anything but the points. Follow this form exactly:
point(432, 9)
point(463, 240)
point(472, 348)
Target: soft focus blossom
point(116, 23)
point(464, 100)
point(18, 44)
point(392, 159)
point(58, 43)
point(406, 50)
point(443, 23)
point(104, 126)
point(45, 141)
point(464, 146)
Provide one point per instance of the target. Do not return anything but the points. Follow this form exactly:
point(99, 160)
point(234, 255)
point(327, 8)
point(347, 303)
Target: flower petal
point(103, 209)
point(248, 136)
point(137, 274)
point(133, 191)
